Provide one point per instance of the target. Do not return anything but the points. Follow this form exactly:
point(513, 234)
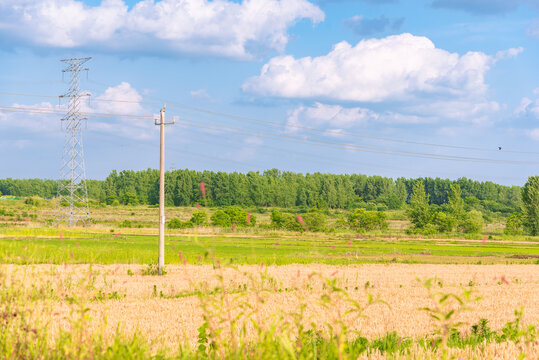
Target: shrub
point(444, 222)
point(178, 224)
point(315, 221)
point(365, 220)
point(236, 215)
point(473, 222)
point(285, 221)
point(276, 218)
point(109, 200)
point(33, 201)
point(95, 204)
point(429, 229)
point(221, 218)
point(125, 224)
point(239, 216)
point(199, 218)
point(371, 206)
point(513, 226)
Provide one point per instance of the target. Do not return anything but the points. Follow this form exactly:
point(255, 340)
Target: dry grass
point(166, 309)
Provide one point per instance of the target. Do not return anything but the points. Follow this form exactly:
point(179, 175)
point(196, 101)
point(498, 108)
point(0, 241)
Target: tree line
point(276, 188)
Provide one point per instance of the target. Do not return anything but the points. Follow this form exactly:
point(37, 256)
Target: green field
point(102, 248)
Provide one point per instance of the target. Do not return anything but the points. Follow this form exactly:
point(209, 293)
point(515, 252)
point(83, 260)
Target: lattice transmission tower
point(72, 200)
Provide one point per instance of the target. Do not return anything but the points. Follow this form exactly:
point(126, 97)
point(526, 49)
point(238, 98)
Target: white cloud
point(533, 134)
point(478, 111)
point(200, 94)
point(249, 149)
point(396, 68)
point(327, 115)
point(218, 27)
point(126, 102)
point(533, 29)
point(338, 117)
point(528, 107)
point(39, 122)
point(448, 131)
point(509, 53)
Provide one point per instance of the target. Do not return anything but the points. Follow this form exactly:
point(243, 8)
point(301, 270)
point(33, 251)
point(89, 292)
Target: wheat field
point(169, 310)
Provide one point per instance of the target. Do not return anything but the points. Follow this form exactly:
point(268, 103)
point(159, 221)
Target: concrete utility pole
point(161, 257)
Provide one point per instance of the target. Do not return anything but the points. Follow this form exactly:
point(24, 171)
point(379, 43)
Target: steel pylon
point(72, 198)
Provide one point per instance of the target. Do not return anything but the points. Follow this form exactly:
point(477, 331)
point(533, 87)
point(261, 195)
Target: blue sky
point(395, 88)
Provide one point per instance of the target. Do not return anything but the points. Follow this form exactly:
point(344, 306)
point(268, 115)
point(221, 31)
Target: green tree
point(513, 226)
point(455, 202)
point(393, 201)
point(530, 205)
point(129, 198)
point(400, 190)
point(419, 211)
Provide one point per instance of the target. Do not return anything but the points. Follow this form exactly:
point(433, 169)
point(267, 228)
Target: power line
point(274, 123)
point(353, 147)
point(327, 143)
point(57, 111)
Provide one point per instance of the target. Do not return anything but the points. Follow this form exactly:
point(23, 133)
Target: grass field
point(90, 293)
point(102, 248)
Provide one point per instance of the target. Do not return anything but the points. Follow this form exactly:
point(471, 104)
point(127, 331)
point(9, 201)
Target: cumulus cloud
point(220, 27)
point(120, 99)
point(126, 100)
point(370, 26)
point(398, 67)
